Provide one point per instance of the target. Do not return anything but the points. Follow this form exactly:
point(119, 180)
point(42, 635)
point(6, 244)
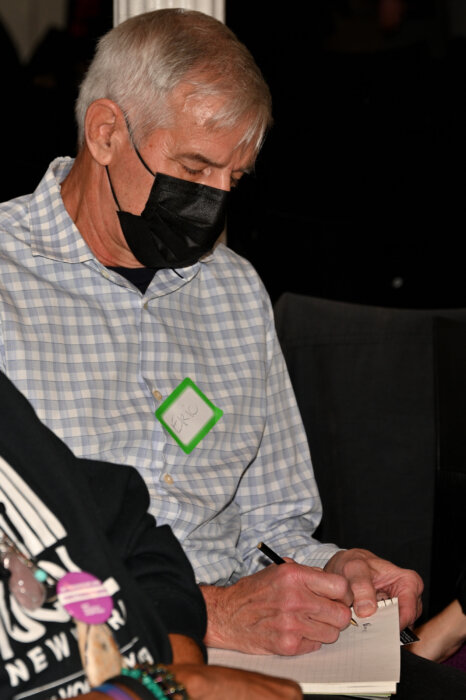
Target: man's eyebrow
point(199, 158)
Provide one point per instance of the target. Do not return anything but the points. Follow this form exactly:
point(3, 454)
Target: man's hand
point(214, 682)
point(371, 578)
point(287, 609)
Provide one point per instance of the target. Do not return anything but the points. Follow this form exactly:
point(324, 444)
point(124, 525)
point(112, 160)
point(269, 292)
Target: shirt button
point(146, 305)
point(168, 479)
point(156, 394)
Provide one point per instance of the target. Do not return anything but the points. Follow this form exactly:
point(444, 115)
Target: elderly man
point(115, 304)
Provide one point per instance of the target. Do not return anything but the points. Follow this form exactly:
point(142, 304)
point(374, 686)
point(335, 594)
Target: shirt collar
point(53, 232)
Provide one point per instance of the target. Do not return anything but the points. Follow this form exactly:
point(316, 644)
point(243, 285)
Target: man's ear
point(104, 127)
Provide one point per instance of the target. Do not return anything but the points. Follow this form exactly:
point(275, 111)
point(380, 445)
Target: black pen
point(273, 556)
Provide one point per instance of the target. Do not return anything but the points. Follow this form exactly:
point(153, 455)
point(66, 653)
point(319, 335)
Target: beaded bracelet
point(157, 681)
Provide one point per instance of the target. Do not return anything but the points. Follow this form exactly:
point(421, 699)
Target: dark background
point(358, 191)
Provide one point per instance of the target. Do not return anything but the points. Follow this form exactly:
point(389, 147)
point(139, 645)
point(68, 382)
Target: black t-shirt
point(76, 514)
point(141, 277)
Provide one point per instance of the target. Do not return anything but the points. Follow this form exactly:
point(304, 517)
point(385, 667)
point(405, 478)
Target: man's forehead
point(205, 113)
point(214, 146)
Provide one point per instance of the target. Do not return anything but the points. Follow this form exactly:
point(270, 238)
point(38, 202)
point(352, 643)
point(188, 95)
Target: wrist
point(143, 683)
point(217, 600)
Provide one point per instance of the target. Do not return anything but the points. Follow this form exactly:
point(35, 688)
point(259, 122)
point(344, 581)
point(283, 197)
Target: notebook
point(364, 661)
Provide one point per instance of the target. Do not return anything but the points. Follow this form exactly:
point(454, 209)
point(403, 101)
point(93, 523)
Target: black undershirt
point(141, 277)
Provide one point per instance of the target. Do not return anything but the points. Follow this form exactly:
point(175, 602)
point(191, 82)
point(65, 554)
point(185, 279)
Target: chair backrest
point(449, 529)
point(364, 382)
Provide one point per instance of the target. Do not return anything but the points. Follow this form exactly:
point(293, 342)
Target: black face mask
point(180, 222)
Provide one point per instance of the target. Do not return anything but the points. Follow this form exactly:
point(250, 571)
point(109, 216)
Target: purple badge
point(84, 597)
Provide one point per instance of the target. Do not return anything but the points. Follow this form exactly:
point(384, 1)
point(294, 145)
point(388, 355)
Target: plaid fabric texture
point(94, 355)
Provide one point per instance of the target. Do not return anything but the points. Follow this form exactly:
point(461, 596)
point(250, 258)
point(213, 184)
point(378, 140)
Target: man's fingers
point(359, 578)
point(327, 585)
point(372, 578)
point(409, 598)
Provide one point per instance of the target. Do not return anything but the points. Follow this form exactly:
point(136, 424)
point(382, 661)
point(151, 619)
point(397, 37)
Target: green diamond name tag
point(188, 415)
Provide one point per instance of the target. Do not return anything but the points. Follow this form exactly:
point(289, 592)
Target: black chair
point(449, 531)
point(364, 382)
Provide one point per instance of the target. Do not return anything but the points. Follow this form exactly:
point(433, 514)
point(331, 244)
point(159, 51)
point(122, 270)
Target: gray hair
point(140, 62)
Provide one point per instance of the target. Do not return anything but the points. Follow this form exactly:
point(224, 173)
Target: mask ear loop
point(143, 161)
point(131, 138)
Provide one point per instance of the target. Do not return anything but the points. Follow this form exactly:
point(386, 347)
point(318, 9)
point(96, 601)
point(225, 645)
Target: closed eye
point(192, 171)
point(234, 179)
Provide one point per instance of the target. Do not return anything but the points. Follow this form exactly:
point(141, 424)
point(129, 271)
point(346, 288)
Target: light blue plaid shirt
point(94, 355)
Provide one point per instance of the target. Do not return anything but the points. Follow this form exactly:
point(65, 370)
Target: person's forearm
point(185, 650)
point(442, 635)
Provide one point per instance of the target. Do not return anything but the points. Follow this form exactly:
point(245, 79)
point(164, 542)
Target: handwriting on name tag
point(184, 418)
